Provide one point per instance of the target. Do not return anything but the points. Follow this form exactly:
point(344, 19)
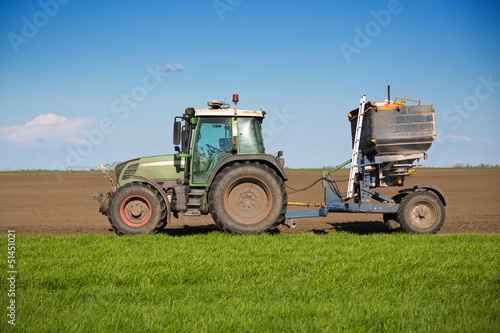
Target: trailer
point(389, 139)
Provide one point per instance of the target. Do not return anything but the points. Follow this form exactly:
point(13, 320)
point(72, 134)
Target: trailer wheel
point(421, 212)
point(137, 208)
point(248, 198)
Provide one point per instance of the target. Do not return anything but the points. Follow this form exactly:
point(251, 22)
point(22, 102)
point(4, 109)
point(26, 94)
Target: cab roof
point(228, 113)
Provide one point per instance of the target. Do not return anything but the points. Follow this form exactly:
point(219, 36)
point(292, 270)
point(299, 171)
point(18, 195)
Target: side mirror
point(177, 133)
point(280, 160)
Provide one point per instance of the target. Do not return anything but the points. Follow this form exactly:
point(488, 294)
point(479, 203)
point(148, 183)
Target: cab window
point(250, 136)
point(213, 140)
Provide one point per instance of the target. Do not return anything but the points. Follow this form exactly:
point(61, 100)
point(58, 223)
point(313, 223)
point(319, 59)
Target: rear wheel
point(137, 208)
point(421, 212)
point(248, 198)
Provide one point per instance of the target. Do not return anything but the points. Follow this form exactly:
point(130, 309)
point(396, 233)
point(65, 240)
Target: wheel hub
point(248, 200)
point(135, 211)
point(423, 215)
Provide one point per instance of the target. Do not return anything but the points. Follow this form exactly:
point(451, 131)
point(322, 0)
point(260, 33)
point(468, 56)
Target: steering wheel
point(212, 149)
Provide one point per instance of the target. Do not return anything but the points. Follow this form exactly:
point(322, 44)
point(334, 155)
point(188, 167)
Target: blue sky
point(90, 82)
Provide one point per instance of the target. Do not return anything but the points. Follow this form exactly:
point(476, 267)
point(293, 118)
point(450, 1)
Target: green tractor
point(220, 167)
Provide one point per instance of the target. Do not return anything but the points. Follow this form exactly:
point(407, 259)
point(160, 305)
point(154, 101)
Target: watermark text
point(11, 277)
point(31, 26)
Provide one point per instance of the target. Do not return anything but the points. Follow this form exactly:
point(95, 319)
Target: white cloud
point(458, 138)
point(48, 129)
point(171, 68)
point(47, 119)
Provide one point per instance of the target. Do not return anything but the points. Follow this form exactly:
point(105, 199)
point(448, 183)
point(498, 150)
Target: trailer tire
point(248, 198)
point(421, 212)
point(137, 208)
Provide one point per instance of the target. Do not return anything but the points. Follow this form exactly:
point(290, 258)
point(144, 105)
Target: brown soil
point(59, 204)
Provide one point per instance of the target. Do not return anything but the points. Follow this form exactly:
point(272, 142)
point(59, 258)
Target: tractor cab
point(220, 167)
point(218, 132)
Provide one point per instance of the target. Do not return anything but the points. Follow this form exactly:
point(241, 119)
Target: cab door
point(212, 143)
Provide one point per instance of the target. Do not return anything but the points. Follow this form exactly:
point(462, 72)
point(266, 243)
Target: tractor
point(220, 167)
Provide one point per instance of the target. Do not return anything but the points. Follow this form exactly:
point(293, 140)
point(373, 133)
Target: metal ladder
point(355, 149)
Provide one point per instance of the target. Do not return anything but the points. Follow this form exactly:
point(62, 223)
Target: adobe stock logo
point(278, 122)
point(30, 27)
point(484, 89)
point(222, 6)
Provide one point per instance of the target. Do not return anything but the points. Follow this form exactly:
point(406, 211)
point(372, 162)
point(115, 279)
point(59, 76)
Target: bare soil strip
point(35, 204)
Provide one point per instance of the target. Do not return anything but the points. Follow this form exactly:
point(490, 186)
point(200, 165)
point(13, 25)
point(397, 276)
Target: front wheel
point(421, 212)
point(248, 198)
point(137, 208)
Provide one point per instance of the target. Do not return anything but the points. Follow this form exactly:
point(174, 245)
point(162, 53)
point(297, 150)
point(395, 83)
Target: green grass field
point(290, 283)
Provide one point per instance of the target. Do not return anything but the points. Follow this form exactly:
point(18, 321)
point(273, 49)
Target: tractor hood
point(157, 168)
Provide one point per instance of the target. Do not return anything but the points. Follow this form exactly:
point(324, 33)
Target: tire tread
point(402, 212)
point(226, 172)
point(160, 223)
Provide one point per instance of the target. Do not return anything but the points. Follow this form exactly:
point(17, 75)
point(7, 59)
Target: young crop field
point(220, 283)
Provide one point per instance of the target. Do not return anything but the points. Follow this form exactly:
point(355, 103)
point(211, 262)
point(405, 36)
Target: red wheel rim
point(135, 211)
point(248, 200)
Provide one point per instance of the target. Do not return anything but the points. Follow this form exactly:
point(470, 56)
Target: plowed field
point(59, 204)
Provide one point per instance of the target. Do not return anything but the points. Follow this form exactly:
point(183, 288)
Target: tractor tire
point(248, 198)
point(137, 208)
point(421, 212)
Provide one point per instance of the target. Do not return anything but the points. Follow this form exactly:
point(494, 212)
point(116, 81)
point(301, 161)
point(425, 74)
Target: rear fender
point(269, 160)
point(430, 188)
